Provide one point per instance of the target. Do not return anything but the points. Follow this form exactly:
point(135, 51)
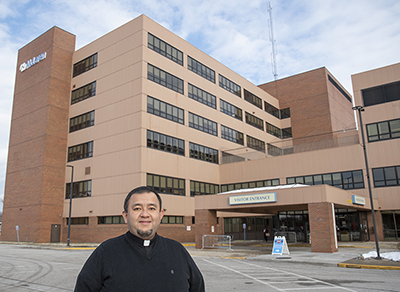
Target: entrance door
point(364, 226)
point(55, 233)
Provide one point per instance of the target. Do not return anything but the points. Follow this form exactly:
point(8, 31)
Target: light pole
point(70, 202)
point(360, 109)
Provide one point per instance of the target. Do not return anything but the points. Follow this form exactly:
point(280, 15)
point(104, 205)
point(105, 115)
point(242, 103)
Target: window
point(80, 189)
point(254, 121)
point(110, 220)
point(85, 65)
point(271, 129)
point(253, 99)
point(172, 220)
point(386, 176)
point(81, 122)
point(232, 87)
point(79, 221)
point(203, 153)
point(201, 96)
point(164, 49)
point(280, 114)
point(286, 133)
point(203, 124)
point(383, 130)
point(341, 90)
point(271, 109)
point(201, 69)
point(343, 180)
point(165, 143)
point(232, 135)
point(381, 94)
point(83, 92)
point(165, 79)
point(80, 151)
point(285, 113)
point(230, 110)
point(255, 144)
point(250, 185)
point(273, 150)
point(202, 188)
point(164, 110)
point(166, 184)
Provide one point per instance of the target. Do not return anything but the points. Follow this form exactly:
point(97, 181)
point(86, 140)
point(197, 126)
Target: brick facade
point(34, 191)
point(321, 227)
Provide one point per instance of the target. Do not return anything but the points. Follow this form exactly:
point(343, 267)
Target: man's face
point(144, 215)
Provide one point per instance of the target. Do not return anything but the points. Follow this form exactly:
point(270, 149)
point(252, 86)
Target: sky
point(345, 36)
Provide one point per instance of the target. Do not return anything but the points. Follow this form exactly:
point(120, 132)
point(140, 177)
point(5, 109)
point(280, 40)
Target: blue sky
point(345, 36)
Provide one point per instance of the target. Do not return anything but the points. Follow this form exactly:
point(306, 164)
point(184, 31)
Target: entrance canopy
point(319, 200)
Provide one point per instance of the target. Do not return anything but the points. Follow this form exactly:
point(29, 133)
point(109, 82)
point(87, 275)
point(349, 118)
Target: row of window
point(344, 180)
point(120, 220)
point(386, 176)
point(280, 114)
point(165, 143)
point(164, 78)
point(85, 65)
point(383, 130)
point(203, 153)
point(383, 177)
point(165, 49)
point(83, 92)
point(165, 110)
point(81, 121)
point(201, 69)
point(381, 94)
point(250, 185)
point(202, 96)
point(173, 113)
point(81, 151)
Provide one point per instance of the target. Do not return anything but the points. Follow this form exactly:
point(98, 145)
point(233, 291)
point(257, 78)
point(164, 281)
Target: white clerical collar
point(146, 242)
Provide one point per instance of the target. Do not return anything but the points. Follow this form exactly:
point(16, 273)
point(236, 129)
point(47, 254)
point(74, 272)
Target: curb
point(355, 266)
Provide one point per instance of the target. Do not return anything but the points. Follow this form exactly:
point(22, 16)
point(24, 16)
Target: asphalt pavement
point(348, 256)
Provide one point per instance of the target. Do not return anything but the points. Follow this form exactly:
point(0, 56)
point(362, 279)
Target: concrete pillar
point(205, 219)
point(322, 229)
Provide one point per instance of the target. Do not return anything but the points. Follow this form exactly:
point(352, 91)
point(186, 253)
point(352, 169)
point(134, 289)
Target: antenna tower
point(272, 39)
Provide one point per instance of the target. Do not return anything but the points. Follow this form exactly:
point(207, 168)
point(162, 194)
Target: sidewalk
point(348, 256)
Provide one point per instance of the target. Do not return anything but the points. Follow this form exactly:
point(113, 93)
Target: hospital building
point(141, 106)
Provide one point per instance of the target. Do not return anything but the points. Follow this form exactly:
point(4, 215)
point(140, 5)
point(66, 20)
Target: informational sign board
point(280, 246)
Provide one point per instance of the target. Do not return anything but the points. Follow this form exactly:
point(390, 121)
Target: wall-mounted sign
point(252, 199)
point(358, 200)
point(32, 62)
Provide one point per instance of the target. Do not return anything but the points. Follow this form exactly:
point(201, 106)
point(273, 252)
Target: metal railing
point(217, 241)
point(290, 235)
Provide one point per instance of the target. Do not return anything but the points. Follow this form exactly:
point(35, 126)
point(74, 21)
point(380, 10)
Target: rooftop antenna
point(272, 39)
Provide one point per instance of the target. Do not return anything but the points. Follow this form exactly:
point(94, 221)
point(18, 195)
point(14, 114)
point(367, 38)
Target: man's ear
point(161, 214)
point(125, 215)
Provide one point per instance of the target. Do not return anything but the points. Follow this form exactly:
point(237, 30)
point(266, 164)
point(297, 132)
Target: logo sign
point(252, 199)
point(32, 62)
point(358, 200)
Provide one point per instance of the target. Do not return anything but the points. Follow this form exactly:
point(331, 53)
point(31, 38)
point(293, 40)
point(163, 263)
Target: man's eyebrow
point(140, 204)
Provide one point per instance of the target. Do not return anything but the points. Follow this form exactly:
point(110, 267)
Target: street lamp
point(360, 109)
point(70, 202)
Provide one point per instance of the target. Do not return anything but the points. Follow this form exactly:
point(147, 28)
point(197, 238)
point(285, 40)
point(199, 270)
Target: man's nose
point(144, 213)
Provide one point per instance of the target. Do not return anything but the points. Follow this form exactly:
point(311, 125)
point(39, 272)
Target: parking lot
point(54, 268)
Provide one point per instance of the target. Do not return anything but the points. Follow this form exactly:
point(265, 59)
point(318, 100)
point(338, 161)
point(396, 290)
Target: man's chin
point(148, 234)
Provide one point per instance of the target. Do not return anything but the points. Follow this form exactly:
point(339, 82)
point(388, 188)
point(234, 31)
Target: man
point(140, 260)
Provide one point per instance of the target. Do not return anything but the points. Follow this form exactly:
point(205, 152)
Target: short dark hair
point(141, 190)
